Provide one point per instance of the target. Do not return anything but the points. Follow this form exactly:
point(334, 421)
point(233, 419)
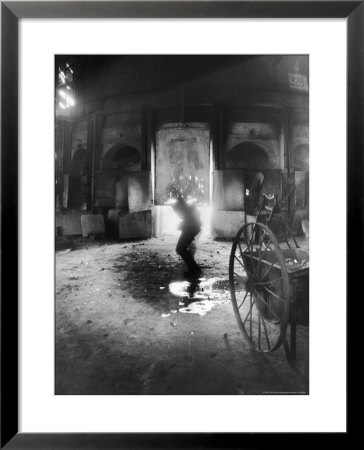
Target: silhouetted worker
point(190, 227)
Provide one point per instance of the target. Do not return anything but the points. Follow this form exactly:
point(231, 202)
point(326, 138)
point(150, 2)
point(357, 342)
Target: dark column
point(286, 128)
point(289, 180)
point(59, 147)
point(146, 127)
point(218, 138)
point(59, 166)
point(65, 138)
point(96, 139)
point(91, 153)
point(64, 142)
point(94, 130)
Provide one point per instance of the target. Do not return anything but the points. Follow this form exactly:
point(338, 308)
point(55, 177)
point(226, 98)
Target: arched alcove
point(301, 158)
point(249, 155)
point(122, 157)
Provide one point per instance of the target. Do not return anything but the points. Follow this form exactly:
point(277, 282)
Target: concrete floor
point(123, 328)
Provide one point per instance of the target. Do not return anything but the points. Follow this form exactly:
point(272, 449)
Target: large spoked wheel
point(259, 286)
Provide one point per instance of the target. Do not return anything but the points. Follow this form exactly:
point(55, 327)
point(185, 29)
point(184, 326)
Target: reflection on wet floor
point(199, 296)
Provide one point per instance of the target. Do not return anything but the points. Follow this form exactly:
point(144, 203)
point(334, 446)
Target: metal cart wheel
point(259, 286)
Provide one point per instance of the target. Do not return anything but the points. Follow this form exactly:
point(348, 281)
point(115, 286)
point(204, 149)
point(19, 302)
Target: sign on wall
point(298, 81)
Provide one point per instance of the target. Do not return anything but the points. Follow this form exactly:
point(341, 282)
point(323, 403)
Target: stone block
point(157, 220)
point(71, 223)
point(92, 224)
point(136, 225)
point(225, 224)
point(139, 191)
point(228, 190)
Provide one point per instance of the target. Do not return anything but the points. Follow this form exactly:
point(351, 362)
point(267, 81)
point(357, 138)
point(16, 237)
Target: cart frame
point(276, 279)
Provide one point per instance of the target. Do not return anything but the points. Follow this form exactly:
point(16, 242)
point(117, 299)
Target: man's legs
point(182, 249)
point(250, 219)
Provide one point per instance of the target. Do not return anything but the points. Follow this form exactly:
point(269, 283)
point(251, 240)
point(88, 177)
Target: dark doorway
point(78, 194)
point(122, 157)
point(248, 155)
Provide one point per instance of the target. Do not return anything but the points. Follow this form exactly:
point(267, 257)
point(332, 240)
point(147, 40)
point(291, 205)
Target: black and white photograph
point(181, 224)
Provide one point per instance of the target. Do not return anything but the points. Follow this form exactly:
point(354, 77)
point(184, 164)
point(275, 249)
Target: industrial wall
point(143, 126)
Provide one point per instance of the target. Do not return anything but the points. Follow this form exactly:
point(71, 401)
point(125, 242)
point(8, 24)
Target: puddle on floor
point(201, 295)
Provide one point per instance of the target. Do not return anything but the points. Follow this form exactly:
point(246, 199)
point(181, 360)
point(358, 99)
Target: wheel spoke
point(242, 265)
point(250, 310)
point(269, 269)
point(259, 322)
point(236, 274)
point(241, 251)
point(251, 317)
point(262, 321)
point(265, 283)
point(266, 332)
point(260, 254)
point(246, 251)
point(267, 305)
point(241, 304)
point(257, 251)
point(271, 292)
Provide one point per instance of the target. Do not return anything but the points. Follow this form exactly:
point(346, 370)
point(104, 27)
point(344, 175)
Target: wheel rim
point(259, 286)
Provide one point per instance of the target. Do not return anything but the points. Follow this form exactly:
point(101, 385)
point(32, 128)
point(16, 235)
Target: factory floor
point(124, 325)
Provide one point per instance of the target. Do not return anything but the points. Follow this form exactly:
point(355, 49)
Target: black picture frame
point(11, 12)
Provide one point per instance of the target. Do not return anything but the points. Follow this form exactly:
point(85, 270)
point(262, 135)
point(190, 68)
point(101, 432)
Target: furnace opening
point(182, 168)
point(249, 155)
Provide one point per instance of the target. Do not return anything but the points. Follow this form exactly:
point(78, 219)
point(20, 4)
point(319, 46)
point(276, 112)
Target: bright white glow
point(170, 221)
point(211, 168)
point(70, 101)
point(62, 76)
point(171, 201)
point(179, 288)
point(67, 97)
point(206, 217)
point(191, 200)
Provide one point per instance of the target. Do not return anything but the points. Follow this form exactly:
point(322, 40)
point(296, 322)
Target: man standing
point(190, 227)
point(252, 200)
